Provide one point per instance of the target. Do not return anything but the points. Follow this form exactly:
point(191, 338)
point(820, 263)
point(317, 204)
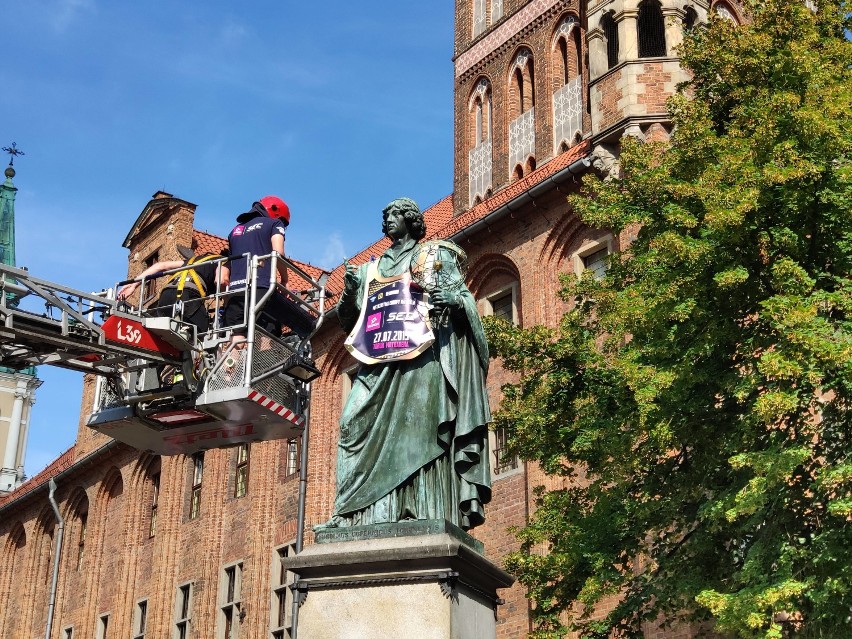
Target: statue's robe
point(413, 433)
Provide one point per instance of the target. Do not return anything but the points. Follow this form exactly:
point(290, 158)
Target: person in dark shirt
point(188, 286)
point(258, 232)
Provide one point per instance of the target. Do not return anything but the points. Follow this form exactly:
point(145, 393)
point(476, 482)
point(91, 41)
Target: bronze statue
point(413, 433)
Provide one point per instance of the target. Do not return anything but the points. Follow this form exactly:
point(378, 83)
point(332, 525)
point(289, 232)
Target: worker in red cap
point(259, 231)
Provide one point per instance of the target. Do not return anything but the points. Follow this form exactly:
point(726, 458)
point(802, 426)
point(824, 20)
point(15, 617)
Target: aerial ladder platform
point(161, 386)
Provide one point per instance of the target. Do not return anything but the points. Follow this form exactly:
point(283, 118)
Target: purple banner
point(393, 323)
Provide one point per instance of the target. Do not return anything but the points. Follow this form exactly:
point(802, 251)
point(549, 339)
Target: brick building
point(190, 546)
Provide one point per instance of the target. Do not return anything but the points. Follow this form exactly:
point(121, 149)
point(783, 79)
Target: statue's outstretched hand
point(350, 279)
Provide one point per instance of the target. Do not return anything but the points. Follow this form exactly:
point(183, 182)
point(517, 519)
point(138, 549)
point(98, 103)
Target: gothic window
point(724, 11)
point(567, 85)
point(479, 156)
point(481, 113)
point(195, 490)
point(479, 17)
point(496, 10)
point(522, 91)
point(485, 13)
point(241, 474)
point(610, 33)
point(47, 554)
point(651, 30)
point(522, 112)
point(82, 520)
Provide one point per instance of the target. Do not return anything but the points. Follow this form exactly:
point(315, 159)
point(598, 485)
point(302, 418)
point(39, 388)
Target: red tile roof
point(440, 222)
point(63, 462)
point(203, 242)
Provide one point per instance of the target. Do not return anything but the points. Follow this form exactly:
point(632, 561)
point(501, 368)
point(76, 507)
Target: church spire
point(7, 209)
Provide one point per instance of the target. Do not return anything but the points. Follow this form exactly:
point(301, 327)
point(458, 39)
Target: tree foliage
point(697, 398)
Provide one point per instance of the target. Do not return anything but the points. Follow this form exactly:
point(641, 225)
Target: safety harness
point(178, 280)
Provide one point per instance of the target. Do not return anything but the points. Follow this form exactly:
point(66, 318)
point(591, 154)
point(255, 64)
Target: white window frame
point(196, 461)
point(230, 598)
point(140, 621)
point(280, 593)
point(588, 247)
point(183, 622)
point(240, 465)
point(102, 631)
point(486, 307)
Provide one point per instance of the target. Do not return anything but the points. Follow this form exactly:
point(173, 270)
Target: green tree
point(697, 398)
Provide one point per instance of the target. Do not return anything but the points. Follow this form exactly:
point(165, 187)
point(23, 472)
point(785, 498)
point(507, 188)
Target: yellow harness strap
point(181, 277)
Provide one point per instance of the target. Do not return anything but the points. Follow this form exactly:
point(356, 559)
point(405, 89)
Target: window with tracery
point(522, 103)
point(485, 14)
point(568, 89)
point(651, 29)
point(479, 17)
point(479, 156)
point(724, 11)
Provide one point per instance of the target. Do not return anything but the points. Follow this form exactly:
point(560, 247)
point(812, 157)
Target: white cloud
point(333, 253)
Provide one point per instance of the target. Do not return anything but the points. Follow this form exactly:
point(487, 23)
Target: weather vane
point(13, 152)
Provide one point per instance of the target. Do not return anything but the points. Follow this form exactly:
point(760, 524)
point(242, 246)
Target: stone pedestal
point(422, 579)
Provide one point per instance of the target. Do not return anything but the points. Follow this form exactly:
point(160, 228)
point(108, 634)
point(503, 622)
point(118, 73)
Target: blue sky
point(337, 107)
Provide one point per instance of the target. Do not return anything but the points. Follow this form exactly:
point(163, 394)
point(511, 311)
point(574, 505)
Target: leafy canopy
point(697, 398)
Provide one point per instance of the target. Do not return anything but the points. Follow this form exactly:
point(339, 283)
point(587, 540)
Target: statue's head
point(410, 212)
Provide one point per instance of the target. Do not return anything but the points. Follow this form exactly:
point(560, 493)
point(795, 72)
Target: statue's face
point(396, 226)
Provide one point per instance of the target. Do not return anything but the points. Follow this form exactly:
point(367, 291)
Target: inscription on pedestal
point(397, 529)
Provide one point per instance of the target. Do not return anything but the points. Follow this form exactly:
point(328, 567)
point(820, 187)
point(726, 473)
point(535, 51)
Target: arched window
point(522, 111)
point(690, 18)
point(567, 84)
point(485, 14)
point(480, 113)
point(496, 11)
point(479, 17)
point(479, 157)
point(610, 33)
point(522, 91)
point(723, 10)
point(79, 528)
point(651, 30)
